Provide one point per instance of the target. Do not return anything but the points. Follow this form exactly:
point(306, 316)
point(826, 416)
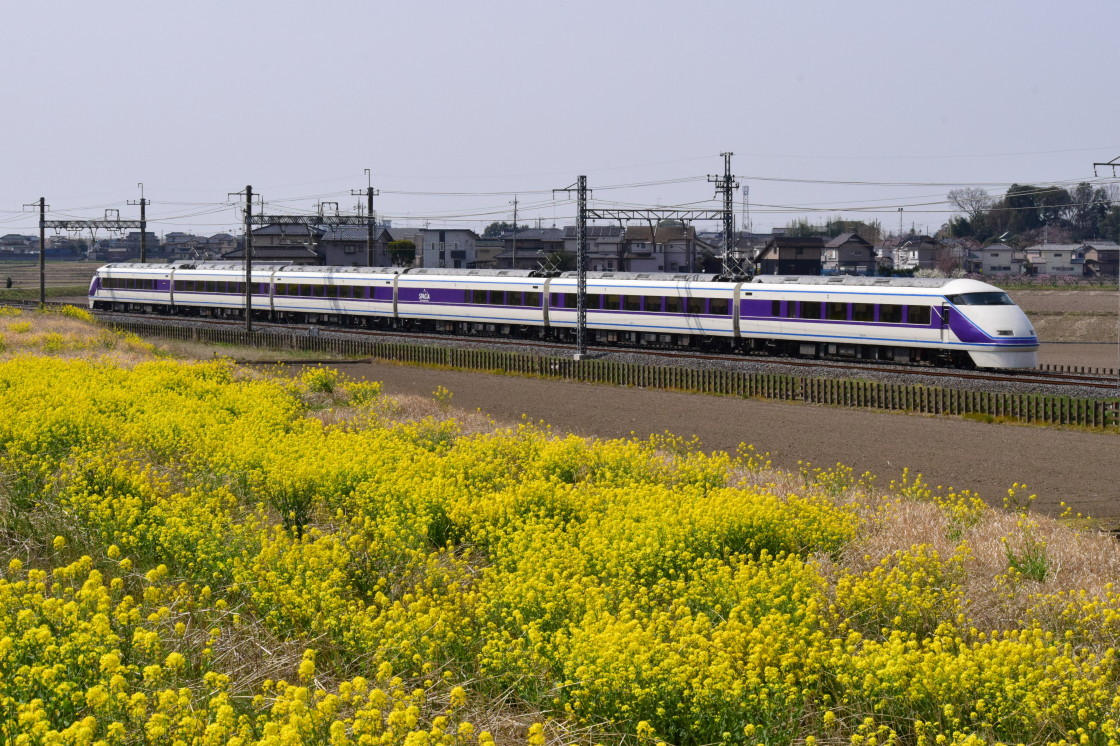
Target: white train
point(958, 322)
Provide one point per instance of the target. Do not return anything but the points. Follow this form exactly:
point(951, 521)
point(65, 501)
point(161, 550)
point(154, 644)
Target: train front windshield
point(981, 299)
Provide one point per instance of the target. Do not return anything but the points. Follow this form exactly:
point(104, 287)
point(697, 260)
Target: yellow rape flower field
point(197, 553)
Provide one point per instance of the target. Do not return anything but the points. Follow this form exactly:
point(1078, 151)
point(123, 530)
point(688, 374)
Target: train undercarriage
point(599, 337)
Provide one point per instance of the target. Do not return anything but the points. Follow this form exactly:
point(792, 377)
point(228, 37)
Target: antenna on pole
point(371, 219)
point(143, 223)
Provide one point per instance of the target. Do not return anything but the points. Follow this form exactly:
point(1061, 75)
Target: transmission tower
point(726, 185)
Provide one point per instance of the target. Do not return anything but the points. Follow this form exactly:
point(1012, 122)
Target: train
point(961, 323)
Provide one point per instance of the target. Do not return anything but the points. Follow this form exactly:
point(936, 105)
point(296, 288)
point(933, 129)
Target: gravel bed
point(770, 365)
point(836, 369)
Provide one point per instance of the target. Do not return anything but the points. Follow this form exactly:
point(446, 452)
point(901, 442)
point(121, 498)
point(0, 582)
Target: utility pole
point(727, 186)
point(514, 262)
point(42, 249)
point(580, 189)
point(143, 223)
point(248, 255)
point(371, 222)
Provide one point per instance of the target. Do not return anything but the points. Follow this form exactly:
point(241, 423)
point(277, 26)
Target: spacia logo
point(425, 295)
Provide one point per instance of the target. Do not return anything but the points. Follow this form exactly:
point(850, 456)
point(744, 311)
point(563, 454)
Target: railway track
point(1056, 378)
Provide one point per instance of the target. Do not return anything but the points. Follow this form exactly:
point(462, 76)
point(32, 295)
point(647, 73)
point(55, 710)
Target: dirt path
point(1079, 468)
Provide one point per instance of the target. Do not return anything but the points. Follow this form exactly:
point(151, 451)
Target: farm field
point(199, 552)
point(1058, 465)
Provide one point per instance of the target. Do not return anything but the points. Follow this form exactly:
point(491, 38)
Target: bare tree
point(972, 201)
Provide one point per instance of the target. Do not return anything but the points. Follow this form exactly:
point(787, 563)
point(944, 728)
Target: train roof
point(658, 276)
point(850, 280)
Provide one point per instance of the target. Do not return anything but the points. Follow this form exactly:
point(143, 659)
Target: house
point(347, 246)
point(916, 252)
point(791, 255)
point(486, 252)
point(605, 247)
point(528, 248)
point(666, 248)
point(1057, 259)
point(1102, 258)
point(220, 243)
point(445, 247)
point(849, 254)
point(283, 254)
point(185, 245)
point(1001, 259)
point(14, 243)
point(131, 244)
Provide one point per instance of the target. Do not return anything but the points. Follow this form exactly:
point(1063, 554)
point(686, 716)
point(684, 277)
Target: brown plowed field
point(1077, 467)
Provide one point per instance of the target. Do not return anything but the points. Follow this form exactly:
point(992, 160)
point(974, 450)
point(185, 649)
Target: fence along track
point(1036, 408)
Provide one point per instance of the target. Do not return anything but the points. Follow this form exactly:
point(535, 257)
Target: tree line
point(1028, 214)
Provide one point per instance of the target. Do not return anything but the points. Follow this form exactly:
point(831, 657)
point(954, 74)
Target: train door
point(945, 311)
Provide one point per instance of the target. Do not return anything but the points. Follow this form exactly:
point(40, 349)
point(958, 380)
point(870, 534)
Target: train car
point(959, 322)
point(647, 308)
point(132, 287)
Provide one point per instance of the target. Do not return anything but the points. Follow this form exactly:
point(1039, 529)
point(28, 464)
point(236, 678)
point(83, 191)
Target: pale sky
point(456, 107)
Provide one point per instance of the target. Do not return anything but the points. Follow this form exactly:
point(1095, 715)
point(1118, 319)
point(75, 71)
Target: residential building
point(916, 252)
point(296, 244)
point(791, 255)
point(15, 243)
point(529, 248)
point(605, 247)
point(346, 246)
point(185, 245)
point(440, 247)
point(1057, 259)
point(486, 251)
point(131, 243)
point(220, 243)
point(1001, 259)
point(666, 248)
point(849, 254)
point(1102, 258)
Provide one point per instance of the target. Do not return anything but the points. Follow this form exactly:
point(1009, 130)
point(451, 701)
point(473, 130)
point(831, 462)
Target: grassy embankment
point(197, 551)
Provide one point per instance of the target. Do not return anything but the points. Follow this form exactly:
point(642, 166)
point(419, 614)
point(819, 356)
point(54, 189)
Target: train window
point(478, 297)
point(346, 291)
point(653, 304)
point(211, 286)
point(918, 315)
point(837, 311)
point(673, 304)
point(696, 305)
point(791, 309)
point(281, 289)
point(612, 302)
point(890, 314)
point(533, 299)
point(332, 291)
point(719, 307)
point(594, 301)
point(515, 298)
point(810, 309)
point(775, 308)
point(570, 300)
point(981, 299)
point(632, 303)
point(318, 290)
point(863, 312)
